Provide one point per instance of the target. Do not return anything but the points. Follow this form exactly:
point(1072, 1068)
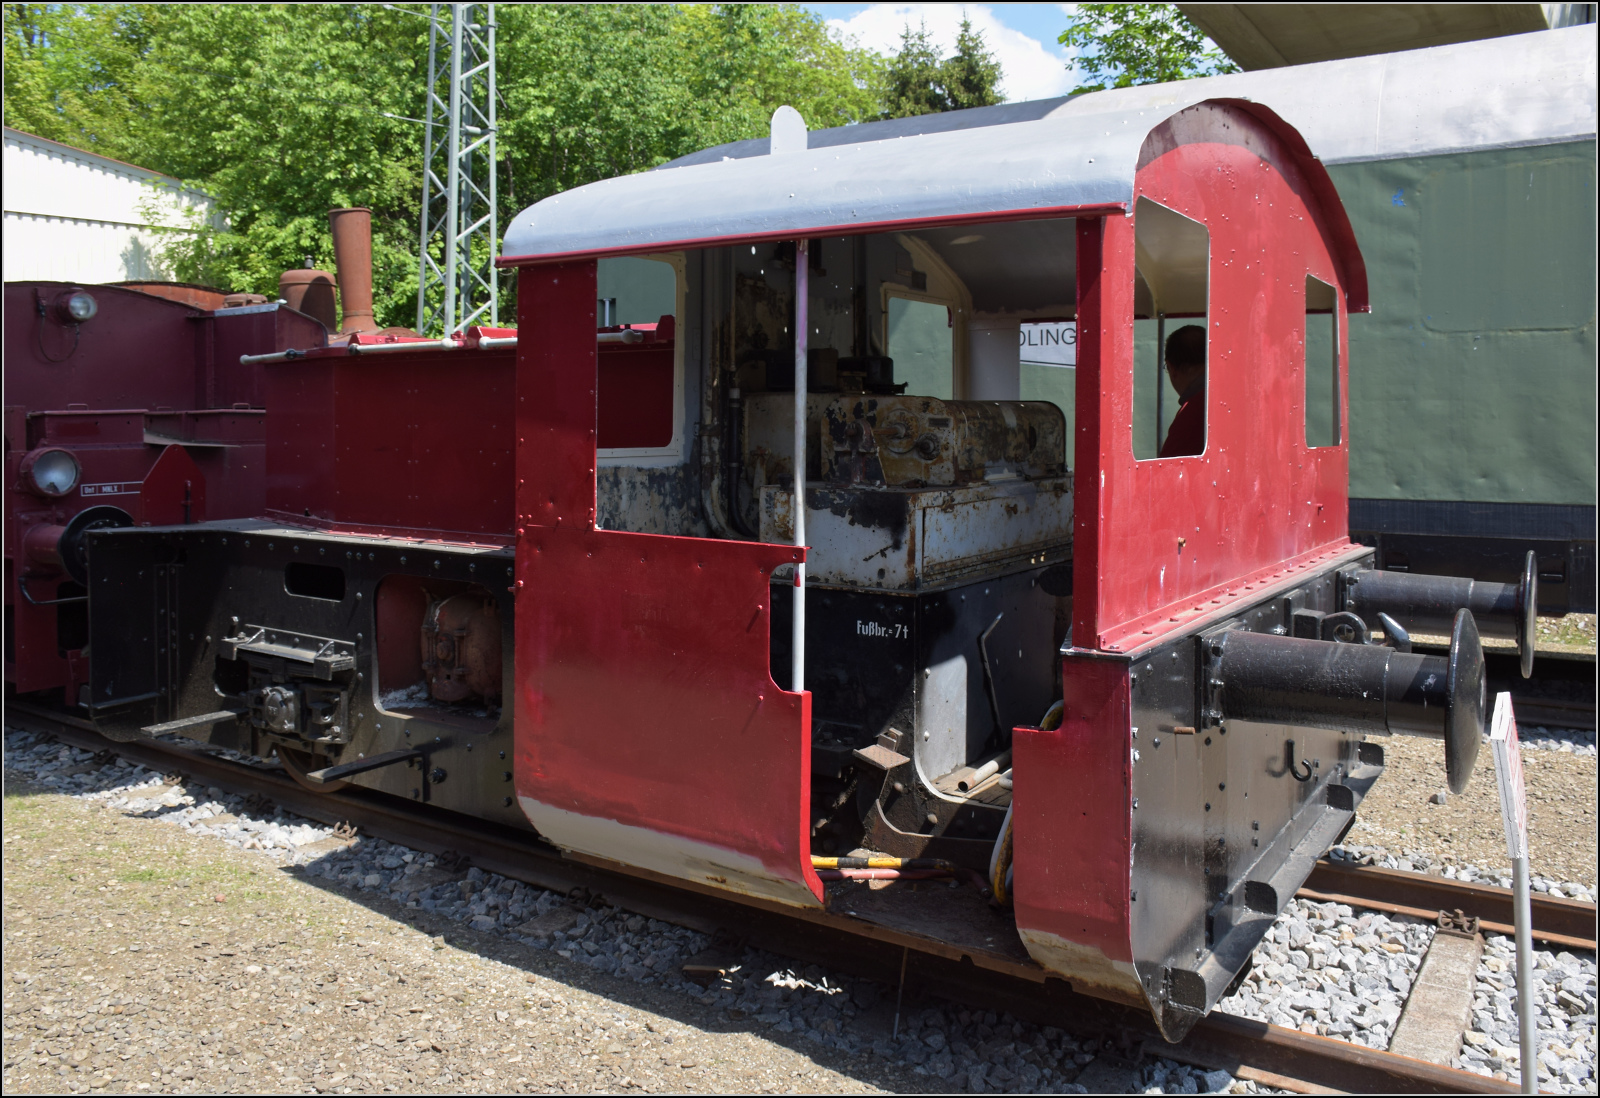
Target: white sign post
point(1514, 813)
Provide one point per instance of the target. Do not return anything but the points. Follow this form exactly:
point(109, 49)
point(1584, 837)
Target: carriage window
point(1170, 337)
point(1322, 364)
point(920, 340)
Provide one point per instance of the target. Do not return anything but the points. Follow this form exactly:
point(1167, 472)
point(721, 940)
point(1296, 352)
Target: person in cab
point(1186, 367)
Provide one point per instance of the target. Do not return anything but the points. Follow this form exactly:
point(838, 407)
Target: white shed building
point(77, 216)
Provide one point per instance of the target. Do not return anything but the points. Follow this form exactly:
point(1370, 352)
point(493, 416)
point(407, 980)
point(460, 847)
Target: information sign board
point(1508, 772)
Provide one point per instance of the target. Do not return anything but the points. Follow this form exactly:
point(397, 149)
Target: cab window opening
point(1171, 338)
point(1321, 345)
point(640, 398)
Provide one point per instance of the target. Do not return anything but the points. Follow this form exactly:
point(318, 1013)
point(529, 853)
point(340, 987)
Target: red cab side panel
point(1170, 535)
point(1074, 833)
point(648, 728)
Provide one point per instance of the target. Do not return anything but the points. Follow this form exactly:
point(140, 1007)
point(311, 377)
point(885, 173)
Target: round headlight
point(52, 472)
point(82, 306)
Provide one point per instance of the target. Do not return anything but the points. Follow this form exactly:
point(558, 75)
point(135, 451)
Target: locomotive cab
point(761, 539)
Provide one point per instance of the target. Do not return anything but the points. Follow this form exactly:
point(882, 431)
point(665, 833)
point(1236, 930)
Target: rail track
point(1249, 1049)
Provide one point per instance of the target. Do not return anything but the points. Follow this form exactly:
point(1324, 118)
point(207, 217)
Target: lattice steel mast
point(457, 284)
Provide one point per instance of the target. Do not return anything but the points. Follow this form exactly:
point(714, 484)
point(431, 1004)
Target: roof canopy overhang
point(1265, 36)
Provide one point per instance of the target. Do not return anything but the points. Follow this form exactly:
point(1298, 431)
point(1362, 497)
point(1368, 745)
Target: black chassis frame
point(162, 600)
point(868, 655)
point(1223, 833)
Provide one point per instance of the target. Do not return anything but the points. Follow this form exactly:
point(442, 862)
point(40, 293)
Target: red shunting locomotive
point(125, 406)
point(798, 569)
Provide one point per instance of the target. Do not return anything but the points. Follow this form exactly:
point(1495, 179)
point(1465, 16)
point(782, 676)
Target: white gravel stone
point(1322, 968)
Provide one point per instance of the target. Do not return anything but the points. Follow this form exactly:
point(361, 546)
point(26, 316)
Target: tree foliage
point(284, 111)
point(918, 81)
point(69, 71)
point(1121, 45)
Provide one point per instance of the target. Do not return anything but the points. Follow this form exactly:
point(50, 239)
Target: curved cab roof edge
point(1062, 165)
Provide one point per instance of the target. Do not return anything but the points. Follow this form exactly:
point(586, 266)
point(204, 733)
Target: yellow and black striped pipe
point(881, 861)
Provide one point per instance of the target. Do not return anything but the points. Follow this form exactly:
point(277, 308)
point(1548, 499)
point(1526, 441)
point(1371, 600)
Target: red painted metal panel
point(300, 438)
point(1172, 534)
point(635, 394)
point(248, 332)
point(648, 728)
point(1161, 543)
point(143, 367)
point(1089, 396)
point(139, 351)
point(425, 440)
point(1073, 821)
point(174, 491)
point(417, 442)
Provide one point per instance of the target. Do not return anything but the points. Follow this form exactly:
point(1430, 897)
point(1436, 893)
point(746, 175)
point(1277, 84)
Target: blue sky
point(1021, 36)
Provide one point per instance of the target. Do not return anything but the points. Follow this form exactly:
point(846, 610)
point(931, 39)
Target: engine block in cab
point(921, 442)
point(918, 492)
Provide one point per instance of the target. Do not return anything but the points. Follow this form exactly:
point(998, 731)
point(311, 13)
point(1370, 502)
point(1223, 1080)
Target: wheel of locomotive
point(297, 764)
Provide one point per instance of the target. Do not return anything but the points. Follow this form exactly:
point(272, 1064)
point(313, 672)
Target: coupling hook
point(1291, 766)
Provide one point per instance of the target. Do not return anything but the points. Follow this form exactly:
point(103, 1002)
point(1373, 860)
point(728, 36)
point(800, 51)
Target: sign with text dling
point(1050, 343)
point(1508, 772)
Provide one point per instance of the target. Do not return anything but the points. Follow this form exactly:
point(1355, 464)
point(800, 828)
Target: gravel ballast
point(269, 953)
point(548, 961)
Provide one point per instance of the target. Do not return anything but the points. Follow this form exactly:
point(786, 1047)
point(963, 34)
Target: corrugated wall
point(76, 216)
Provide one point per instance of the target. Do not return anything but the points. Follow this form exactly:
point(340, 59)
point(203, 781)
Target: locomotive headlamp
point(50, 472)
point(80, 306)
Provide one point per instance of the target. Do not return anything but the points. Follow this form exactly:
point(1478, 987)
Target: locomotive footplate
point(330, 650)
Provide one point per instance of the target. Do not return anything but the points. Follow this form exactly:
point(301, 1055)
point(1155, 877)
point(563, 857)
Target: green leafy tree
point(69, 70)
point(1121, 45)
point(918, 81)
point(282, 111)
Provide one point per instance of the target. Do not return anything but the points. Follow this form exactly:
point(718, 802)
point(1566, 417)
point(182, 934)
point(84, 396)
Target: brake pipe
point(882, 867)
point(484, 343)
point(881, 861)
point(885, 874)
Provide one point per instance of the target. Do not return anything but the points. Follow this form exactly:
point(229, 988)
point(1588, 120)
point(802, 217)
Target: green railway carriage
point(1468, 172)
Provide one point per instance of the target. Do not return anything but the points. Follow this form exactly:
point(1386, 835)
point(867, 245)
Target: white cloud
point(1029, 68)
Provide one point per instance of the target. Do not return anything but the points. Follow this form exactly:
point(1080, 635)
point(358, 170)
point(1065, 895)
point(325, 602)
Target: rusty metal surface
point(310, 291)
point(918, 441)
point(914, 538)
point(1569, 922)
point(352, 256)
point(461, 647)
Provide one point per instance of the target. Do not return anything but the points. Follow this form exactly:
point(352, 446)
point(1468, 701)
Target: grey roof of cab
point(1522, 89)
point(1057, 163)
point(1519, 90)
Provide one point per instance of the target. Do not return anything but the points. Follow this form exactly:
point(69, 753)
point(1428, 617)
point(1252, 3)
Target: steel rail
point(1271, 1055)
point(1561, 922)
